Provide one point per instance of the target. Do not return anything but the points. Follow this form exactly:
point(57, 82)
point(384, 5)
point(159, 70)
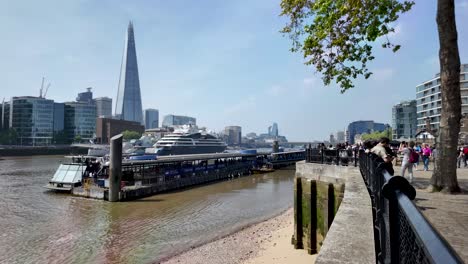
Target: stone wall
point(333, 214)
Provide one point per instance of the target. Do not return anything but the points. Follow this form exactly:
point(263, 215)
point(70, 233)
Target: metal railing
point(401, 233)
point(341, 157)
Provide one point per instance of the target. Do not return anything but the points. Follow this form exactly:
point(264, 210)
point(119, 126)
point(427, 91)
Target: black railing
point(401, 233)
point(332, 156)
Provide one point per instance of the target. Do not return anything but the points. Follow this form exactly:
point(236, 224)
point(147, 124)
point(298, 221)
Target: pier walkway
point(448, 213)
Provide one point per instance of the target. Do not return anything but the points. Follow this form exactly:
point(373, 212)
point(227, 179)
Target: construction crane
point(41, 94)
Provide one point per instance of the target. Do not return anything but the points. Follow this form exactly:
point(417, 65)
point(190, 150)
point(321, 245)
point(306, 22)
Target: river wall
point(40, 150)
point(333, 214)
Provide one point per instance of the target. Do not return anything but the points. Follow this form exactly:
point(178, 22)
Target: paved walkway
point(448, 213)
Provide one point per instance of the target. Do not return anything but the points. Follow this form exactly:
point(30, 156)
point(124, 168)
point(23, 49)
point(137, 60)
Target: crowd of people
point(412, 154)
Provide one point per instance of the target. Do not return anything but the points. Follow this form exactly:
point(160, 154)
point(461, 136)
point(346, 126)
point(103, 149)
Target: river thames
point(38, 226)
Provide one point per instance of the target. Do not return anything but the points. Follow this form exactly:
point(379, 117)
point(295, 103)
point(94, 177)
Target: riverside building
point(404, 120)
point(233, 135)
point(32, 118)
point(429, 102)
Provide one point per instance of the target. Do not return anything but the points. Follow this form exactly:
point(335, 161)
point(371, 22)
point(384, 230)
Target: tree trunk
point(445, 175)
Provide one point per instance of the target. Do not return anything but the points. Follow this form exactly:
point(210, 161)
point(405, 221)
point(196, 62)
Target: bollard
point(115, 175)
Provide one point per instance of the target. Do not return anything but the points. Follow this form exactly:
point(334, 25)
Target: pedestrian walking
point(409, 159)
point(426, 154)
point(417, 148)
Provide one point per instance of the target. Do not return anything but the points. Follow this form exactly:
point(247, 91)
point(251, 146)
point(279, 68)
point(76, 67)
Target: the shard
point(128, 105)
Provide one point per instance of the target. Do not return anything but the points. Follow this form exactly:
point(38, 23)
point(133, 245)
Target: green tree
point(77, 138)
point(337, 36)
point(128, 135)
point(377, 135)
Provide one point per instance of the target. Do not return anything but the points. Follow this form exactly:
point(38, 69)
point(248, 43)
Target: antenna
point(47, 89)
point(42, 87)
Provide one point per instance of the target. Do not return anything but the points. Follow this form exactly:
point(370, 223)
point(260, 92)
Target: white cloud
point(311, 82)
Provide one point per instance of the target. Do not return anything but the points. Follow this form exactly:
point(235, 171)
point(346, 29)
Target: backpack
point(413, 157)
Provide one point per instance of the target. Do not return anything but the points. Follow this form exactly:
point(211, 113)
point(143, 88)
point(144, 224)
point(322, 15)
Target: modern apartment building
point(429, 102)
point(404, 122)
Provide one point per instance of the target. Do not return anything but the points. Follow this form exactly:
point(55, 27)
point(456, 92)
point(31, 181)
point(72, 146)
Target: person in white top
point(406, 164)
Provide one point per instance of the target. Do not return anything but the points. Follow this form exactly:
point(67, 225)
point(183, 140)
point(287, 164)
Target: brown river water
point(38, 226)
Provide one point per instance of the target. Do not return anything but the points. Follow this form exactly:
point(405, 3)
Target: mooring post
point(115, 175)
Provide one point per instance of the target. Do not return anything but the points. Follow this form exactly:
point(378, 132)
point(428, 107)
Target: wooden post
point(115, 175)
point(298, 233)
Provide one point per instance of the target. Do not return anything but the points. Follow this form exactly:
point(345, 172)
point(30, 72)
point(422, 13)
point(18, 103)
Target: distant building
point(106, 128)
point(332, 139)
point(251, 135)
point(59, 117)
point(429, 101)
point(340, 136)
point(128, 106)
point(404, 120)
point(103, 107)
point(233, 135)
point(175, 120)
point(85, 97)
point(273, 130)
point(33, 119)
point(151, 118)
point(80, 120)
point(2, 117)
point(360, 127)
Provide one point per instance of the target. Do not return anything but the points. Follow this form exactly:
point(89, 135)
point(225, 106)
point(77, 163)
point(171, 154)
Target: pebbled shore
point(265, 242)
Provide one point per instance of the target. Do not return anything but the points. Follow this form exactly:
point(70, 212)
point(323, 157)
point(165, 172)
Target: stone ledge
point(350, 238)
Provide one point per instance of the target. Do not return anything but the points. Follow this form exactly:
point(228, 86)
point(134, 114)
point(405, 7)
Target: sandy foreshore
point(265, 242)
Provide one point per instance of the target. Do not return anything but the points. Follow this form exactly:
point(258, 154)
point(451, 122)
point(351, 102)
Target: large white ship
point(188, 139)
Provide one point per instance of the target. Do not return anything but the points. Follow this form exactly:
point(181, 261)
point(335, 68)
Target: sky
point(223, 62)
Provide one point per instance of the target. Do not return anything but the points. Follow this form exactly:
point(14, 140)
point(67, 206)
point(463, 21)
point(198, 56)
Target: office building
point(151, 118)
point(360, 127)
point(32, 118)
point(106, 128)
point(404, 120)
point(59, 117)
point(233, 135)
point(80, 120)
point(85, 97)
point(175, 120)
point(103, 107)
point(128, 106)
point(429, 101)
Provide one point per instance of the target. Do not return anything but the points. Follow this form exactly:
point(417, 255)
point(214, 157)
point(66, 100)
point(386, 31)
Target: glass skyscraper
point(128, 105)
point(151, 118)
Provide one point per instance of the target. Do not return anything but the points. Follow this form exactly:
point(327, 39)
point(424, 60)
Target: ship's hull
point(185, 150)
